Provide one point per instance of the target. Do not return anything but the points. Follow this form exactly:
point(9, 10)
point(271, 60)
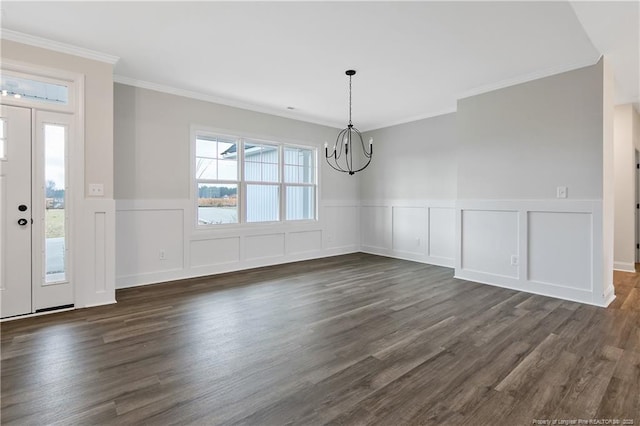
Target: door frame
point(637, 206)
point(75, 149)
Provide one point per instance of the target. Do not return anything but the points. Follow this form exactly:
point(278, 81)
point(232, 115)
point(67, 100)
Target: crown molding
point(57, 46)
point(411, 119)
point(526, 78)
point(142, 84)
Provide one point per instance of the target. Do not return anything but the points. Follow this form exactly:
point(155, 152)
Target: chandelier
point(348, 142)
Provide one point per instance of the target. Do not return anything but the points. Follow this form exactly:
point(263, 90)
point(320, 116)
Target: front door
point(16, 211)
point(33, 213)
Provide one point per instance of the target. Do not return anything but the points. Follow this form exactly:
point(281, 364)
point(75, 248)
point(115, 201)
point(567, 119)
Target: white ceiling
point(414, 59)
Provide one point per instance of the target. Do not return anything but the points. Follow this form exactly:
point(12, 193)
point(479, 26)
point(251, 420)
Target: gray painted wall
point(523, 141)
point(415, 160)
point(152, 142)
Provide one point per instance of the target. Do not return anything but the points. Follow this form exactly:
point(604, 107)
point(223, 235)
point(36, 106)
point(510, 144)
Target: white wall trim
point(429, 260)
point(163, 88)
point(58, 46)
point(203, 271)
point(222, 250)
point(590, 288)
point(592, 294)
point(551, 205)
point(380, 241)
point(577, 296)
point(35, 314)
point(448, 110)
point(624, 267)
point(526, 78)
point(406, 202)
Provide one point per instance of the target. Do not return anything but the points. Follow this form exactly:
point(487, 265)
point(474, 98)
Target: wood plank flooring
point(354, 339)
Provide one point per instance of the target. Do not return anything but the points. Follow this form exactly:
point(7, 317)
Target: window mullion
point(242, 187)
point(283, 193)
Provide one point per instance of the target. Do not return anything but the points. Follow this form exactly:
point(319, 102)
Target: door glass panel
point(55, 200)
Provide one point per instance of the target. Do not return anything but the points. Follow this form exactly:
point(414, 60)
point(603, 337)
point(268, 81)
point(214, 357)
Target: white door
point(16, 211)
point(34, 219)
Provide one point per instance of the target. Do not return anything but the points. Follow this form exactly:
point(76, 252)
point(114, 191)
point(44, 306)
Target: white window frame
point(195, 181)
point(242, 183)
point(245, 182)
point(314, 185)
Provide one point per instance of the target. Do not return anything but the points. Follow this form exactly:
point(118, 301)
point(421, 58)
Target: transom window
point(242, 180)
point(34, 90)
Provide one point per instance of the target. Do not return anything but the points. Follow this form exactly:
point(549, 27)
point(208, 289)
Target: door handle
point(22, 221)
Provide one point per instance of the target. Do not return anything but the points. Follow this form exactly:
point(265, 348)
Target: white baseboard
point(571, 295)
point(187, 273)
point(624, 266)
point(414, 257)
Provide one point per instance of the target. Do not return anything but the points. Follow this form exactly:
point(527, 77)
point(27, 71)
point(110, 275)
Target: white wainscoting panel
point(216, 251)
point(342, 224)
point(94, 252)
point(304, 242)
point(263, 246)
point(558, 244)
point(149, 241)
point(409, 230)
point(145, 228)
point(99, 248)
point(419, 230)
point(442, 231)
point(560, 248)
point(489, 239)
point(375, 226)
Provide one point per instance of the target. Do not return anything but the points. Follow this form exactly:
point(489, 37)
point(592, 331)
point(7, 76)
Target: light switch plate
point(96, 190)
point(561, 192)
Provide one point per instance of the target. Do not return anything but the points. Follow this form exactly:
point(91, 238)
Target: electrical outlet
point(96, 190)
point(514, 260)
point(561, 192)
point(162, 255)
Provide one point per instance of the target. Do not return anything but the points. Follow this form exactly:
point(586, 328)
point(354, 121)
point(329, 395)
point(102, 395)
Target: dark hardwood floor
point(354, 339)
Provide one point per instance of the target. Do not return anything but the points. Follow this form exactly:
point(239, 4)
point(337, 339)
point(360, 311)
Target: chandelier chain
point(350, 123)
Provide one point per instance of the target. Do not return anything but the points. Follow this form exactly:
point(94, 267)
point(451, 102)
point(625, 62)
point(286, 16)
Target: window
point(299, 177)
point(216, 180)
point(262, 175)
point(55, 203)
point(241, 180)
point(34, 90)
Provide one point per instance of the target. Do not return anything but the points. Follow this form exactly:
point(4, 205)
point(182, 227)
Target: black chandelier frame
point(341, 158)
